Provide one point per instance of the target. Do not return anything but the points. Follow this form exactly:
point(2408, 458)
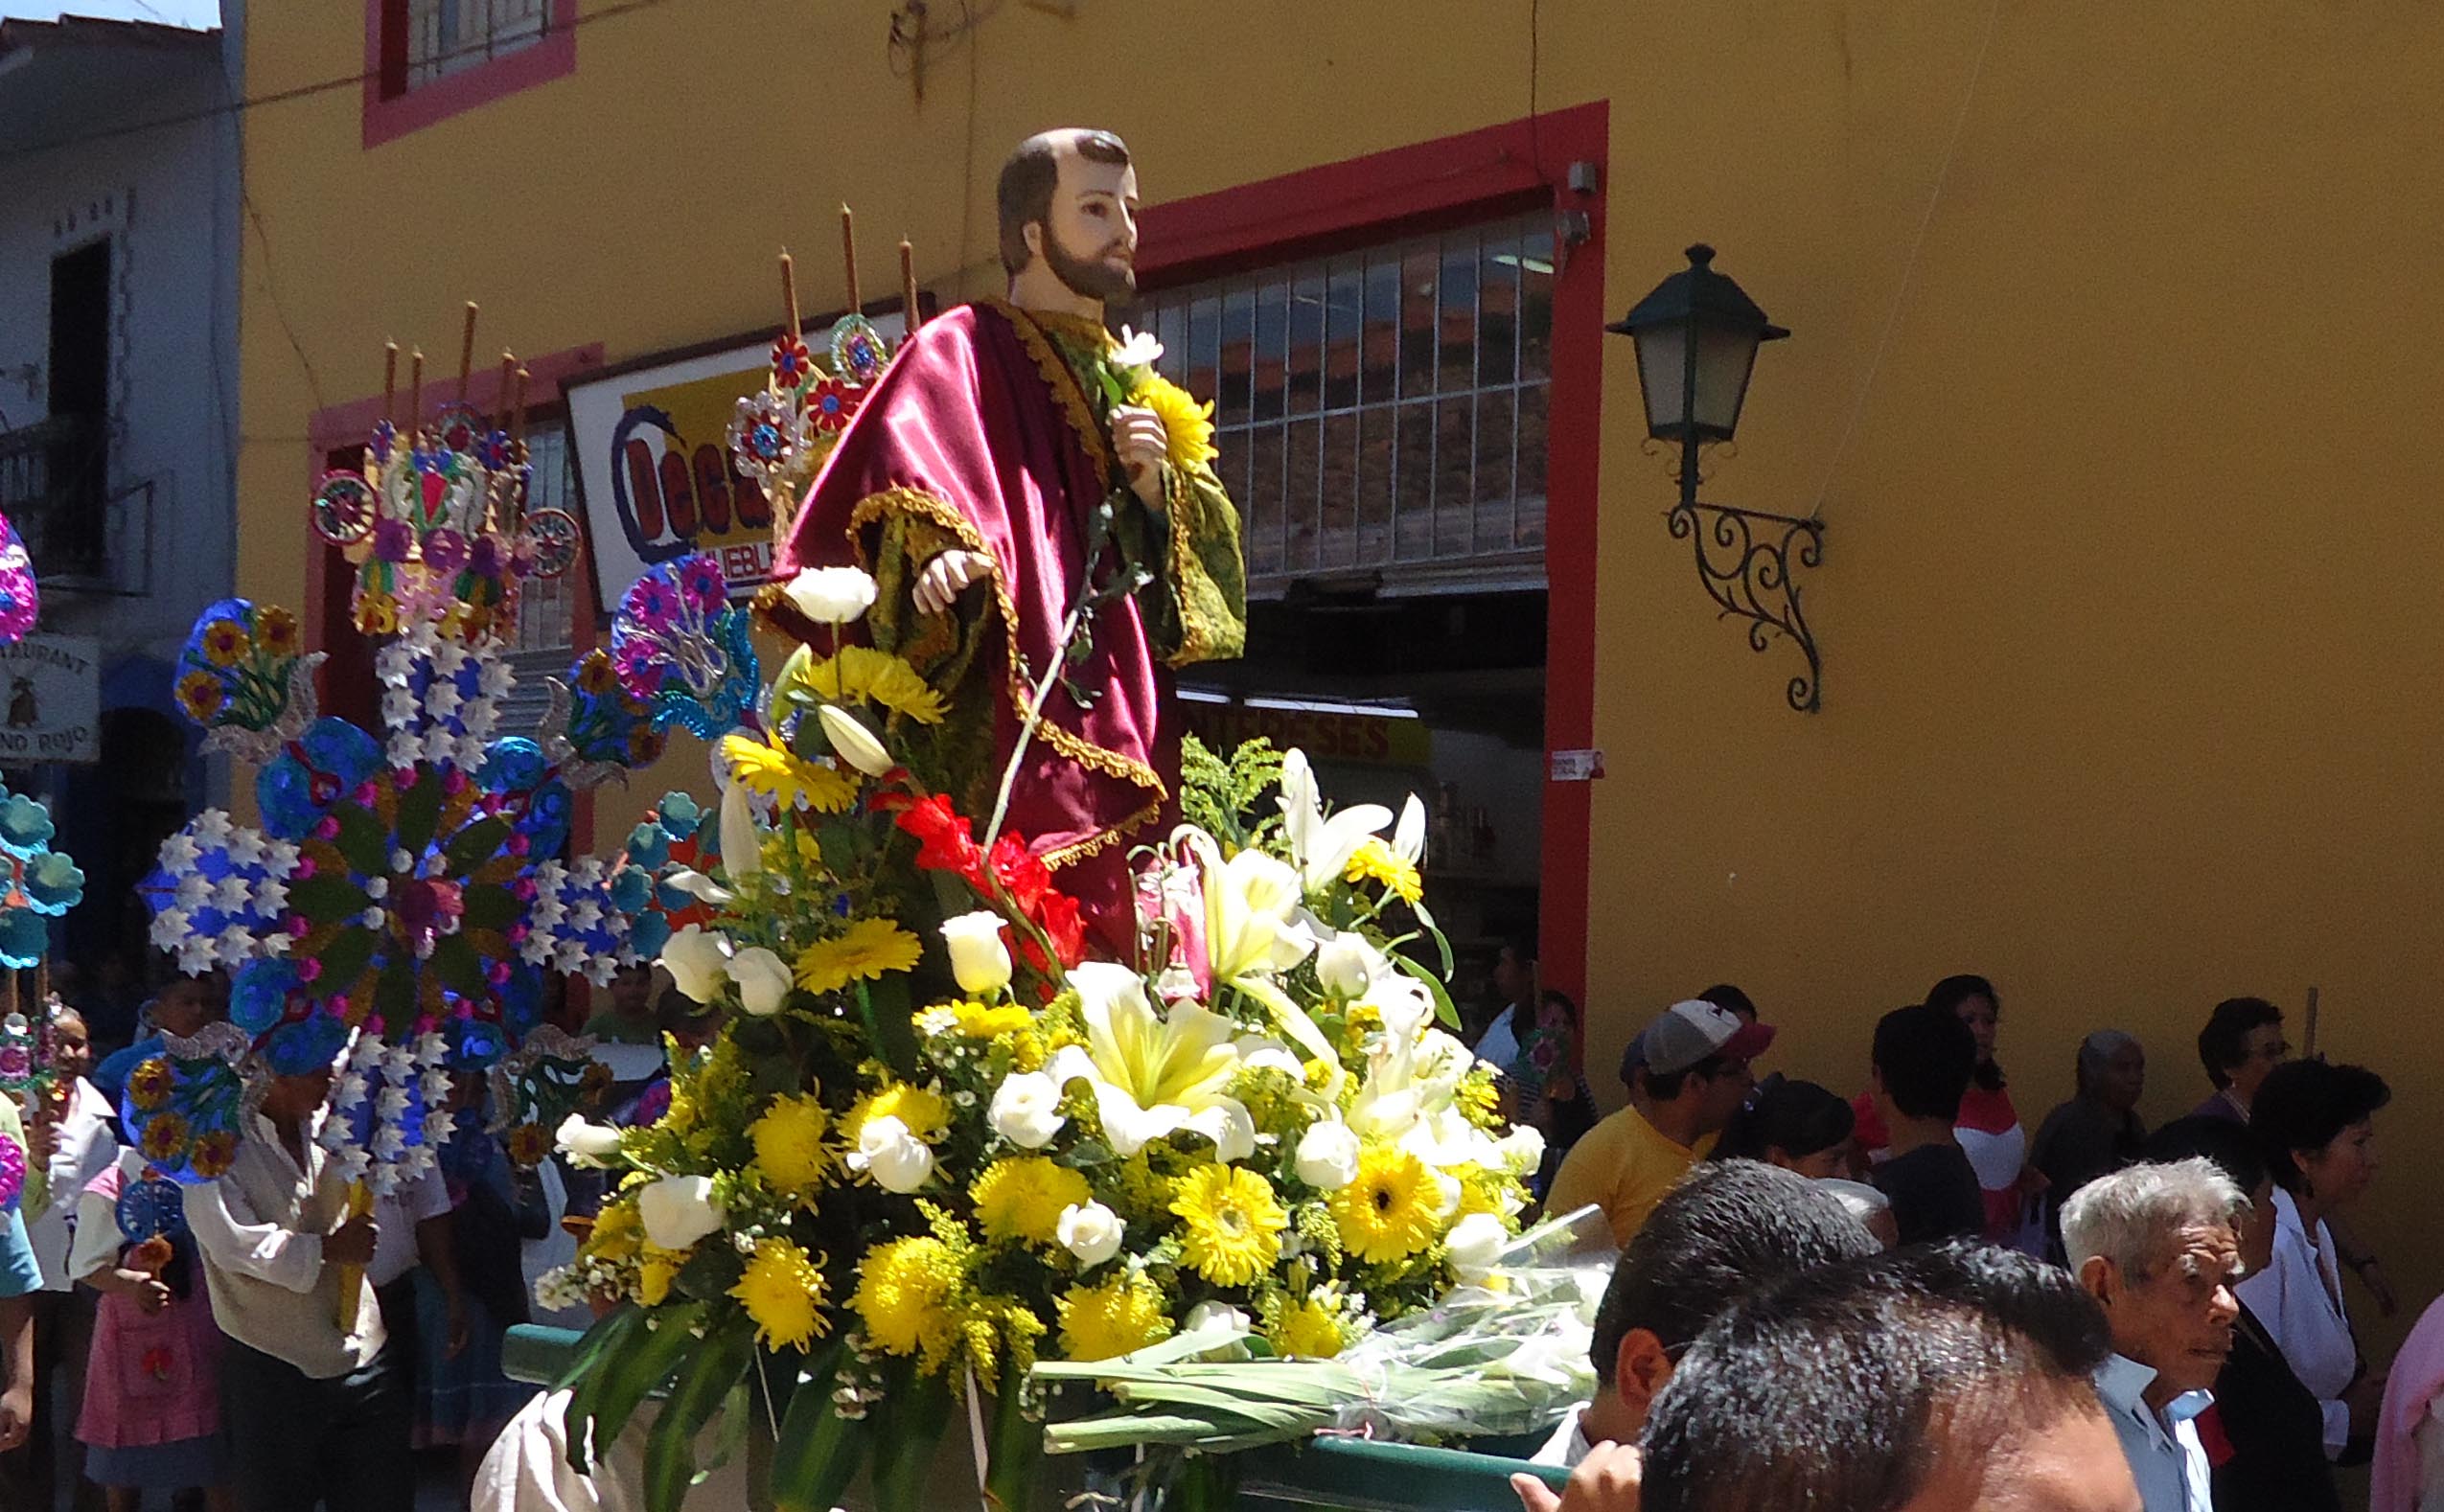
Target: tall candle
point(848, 255)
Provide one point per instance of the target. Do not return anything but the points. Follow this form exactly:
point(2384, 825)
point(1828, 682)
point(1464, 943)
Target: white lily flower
point(763, 980)
point(1152, 1074)
point(1138, 349)
point(742, 845)
point(698, 960)
point(1409, 836)
point(1323, 846)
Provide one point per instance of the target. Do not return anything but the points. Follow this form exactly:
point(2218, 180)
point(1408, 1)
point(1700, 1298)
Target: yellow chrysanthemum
point(1021, 1198)
point(1311, 1330)
point(783, 1290)
point(1186, 425)
point(776, 772)
point(860, 672)
point(1233, 1226)
point(866, 950)
point(925, 1112)
point(1374, 861)
point(904, 1291)
point(789, 1145)
point(1388, 1213)
point(977, 1022)
point(1100, 1321)
point(616, 1234)
point(654, 1278)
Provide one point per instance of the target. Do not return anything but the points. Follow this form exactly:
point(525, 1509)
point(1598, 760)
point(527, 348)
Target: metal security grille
point(547, 606)
point(447, 36)
point(1381, 411)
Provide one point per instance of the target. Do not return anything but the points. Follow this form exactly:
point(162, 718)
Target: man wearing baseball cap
point(1695, 1077)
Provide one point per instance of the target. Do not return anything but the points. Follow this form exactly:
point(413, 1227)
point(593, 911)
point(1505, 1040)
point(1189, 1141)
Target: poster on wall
point(51, 700)
point(651, 442)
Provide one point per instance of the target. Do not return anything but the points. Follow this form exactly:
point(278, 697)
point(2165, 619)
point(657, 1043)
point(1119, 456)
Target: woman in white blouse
point(2316, 1123)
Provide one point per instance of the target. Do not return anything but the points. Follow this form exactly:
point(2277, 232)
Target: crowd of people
point(1904, 1303)
point(263, 1347)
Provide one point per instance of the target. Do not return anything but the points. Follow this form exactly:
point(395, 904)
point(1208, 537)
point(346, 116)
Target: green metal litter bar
point(1356, 1473)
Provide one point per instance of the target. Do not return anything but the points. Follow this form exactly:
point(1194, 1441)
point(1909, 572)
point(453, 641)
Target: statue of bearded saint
point(1019, 512)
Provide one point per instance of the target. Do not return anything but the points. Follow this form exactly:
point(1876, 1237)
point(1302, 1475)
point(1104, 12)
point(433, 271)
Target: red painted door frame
point(1457, 180)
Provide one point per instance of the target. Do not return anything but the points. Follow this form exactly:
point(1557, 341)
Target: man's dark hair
point(1926, 1056)
point(1798, 1118)
point(1846, 1386)
point(1665, 1086)
point(1025, 196)
point(2224, 1043)
point(1731, 1227)
point(2219, 1140)
point(1730, 999)
point(2306, 1105)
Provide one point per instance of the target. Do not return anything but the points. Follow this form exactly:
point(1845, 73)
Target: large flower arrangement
point(918, 1159)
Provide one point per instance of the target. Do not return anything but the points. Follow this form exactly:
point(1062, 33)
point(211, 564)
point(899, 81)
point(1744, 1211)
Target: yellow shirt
point(1622, 1166)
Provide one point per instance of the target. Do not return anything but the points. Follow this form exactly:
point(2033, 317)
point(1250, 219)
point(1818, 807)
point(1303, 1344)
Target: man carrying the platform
point(1028, 497)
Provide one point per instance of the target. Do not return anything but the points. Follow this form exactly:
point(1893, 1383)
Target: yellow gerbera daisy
point(877, 676)
point(1100, 1321)
point(1186, 425)
point(1310, 1329)
point(866, 950)
point(773, 770)
point(904, 1293)
point(1388, 1213)
point(1021, 1199)
point(1233, 1225)
point(783, 1290)
point(922, 1111)
point(789, 1145)
point(1373, 862)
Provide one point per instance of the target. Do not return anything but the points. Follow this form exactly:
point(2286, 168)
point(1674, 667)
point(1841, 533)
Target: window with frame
point(425, 41)
point(545, 642)
point(1381, 410)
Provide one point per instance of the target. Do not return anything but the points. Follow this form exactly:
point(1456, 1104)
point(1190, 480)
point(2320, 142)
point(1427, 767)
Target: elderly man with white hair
point(2158, 1247)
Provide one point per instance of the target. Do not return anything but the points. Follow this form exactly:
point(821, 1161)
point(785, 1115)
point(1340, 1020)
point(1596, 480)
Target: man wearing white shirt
point(315, 1410)
point(2158, 1247)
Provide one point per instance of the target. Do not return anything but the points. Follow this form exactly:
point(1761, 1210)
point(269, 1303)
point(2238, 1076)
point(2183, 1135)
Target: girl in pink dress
point(152, 1417)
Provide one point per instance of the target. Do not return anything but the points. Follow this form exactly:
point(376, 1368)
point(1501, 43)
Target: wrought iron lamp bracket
point(1744, 562)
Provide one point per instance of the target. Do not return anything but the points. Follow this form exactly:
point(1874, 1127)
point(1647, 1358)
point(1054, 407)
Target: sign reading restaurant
point(51, 700)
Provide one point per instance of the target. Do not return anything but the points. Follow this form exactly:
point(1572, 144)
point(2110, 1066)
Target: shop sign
point(50, 699)
point(1338, 736)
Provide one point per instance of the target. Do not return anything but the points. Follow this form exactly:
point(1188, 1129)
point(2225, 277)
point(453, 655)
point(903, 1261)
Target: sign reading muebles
point(51, 700)
point(651, 439)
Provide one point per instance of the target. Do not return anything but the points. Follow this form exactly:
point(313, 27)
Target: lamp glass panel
point(1725, 356)
point(1662, 371)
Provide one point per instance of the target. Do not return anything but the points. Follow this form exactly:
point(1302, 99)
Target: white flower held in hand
point(1475, 1243)
point(831, 595)
point(896, 1158)
point(1329, 1155)
point(1138, 349)
point(1027, 1109)
point(853, 742)
point(697, 961)
point(678, 1210)
point(589, 1146)
point(1092, 1232)
point(763, 982)
point(979, 958)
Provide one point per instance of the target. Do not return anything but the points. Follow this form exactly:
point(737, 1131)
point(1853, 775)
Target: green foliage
point(1221, 798)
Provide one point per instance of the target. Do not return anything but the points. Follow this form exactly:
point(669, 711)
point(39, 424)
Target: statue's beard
point(1090, 278)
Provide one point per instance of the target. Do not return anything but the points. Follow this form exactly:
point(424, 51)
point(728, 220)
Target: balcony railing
point(55, 486)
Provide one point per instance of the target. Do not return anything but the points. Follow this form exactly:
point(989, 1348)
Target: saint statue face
point(1089, 238)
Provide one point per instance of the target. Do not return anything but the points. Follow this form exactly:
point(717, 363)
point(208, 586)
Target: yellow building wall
point(2131, 686)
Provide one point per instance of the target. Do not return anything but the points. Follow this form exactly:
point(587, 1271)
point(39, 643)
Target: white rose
point(678, 1210)
point(979, 958)
point(763, 982)
point(896, 1158)
point(1475, 1242)
point(1092, 1232)
point(853, 742)
point(1329, 1155)
point(697, 961)
point(589, 1146)
point(1027, 1109)
point(831, 595)
point(1521, 1150)
point(1346, 965)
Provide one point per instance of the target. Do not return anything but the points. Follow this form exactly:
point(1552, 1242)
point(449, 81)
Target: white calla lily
point(1322, 845)
point(698, 960)
point(1154, 1073)
point(742, 843)
point(853, 742)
